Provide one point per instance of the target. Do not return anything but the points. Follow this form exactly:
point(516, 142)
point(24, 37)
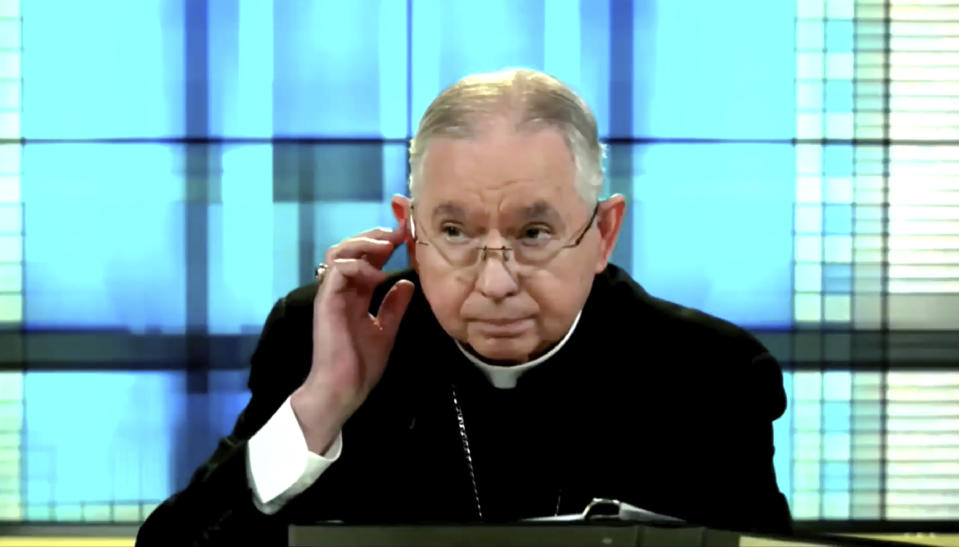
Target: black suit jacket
point(648, 402)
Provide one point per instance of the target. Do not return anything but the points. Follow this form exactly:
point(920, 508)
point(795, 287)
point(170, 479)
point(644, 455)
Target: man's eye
point(534, 235)
point(453, 234)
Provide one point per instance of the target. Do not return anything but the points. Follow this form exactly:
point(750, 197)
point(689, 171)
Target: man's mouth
point(503, 327)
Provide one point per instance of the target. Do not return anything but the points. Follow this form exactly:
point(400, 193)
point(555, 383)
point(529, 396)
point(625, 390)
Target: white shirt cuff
point(279, 465)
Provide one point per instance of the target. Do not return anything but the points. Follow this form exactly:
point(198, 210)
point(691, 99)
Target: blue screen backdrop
point(185, 164)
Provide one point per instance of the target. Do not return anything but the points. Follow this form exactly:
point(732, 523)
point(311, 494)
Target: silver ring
point(320, 272)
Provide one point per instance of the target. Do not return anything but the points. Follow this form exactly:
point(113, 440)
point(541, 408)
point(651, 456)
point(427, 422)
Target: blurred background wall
point(169, 168)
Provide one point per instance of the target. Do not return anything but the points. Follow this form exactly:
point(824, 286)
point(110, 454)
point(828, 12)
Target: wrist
point(320, 419)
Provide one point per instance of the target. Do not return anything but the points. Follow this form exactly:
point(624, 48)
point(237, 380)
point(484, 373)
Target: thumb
point(393, 307)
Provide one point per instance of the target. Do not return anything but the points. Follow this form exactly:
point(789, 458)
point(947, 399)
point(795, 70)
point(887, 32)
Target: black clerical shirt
point(648, 402)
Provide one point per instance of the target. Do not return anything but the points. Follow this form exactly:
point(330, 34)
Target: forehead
point(537, 210)
point(499, 167)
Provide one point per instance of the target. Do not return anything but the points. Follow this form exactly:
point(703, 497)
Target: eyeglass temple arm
point(588, 224)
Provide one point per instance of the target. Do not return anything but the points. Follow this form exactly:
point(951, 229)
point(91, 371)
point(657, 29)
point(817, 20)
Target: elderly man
point(511, 373)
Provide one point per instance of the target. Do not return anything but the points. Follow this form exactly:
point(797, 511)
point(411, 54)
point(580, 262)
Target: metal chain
point(466, 450)
point(469, 458)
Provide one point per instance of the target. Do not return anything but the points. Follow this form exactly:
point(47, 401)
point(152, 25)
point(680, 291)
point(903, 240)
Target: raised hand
point(350, 345)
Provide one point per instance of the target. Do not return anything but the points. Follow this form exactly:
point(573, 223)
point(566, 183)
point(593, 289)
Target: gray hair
point(535, 100)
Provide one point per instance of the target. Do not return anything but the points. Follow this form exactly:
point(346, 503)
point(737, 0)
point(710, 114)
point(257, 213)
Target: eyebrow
point(449, 209)
point(539, 210)
point(542, 210)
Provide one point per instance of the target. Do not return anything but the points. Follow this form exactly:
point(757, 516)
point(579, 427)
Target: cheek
point(559, 303)
point(445, 295)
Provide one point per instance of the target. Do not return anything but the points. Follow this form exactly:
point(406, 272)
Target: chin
point(516, 350)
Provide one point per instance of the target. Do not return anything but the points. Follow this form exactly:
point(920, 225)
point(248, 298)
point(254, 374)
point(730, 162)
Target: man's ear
point(401, 208)
point(401, 212)
point(609, 219)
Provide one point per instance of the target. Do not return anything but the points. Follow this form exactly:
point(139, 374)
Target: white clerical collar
point(505, 377)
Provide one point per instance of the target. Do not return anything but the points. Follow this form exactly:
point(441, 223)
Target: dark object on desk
point(604, 522)
point(604, 508)
point(606, 534)
point(602, 533)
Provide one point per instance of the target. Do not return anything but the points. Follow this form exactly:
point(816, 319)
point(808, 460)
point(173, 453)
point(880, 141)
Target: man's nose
point(494, 279)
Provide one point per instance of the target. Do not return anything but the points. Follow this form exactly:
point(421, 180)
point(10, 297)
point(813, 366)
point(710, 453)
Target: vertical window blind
point(11, 259)
point(877, 256)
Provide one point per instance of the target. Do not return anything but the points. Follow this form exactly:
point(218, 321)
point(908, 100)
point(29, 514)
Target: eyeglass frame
point(485, 249)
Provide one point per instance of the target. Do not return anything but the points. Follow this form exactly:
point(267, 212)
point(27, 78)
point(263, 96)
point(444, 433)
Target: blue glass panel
point(836, 415)
point(838, 219)
point(324, 193)
point(104, 236)
point(287, 272)
point(837, 160)
point(240, 66)
point(332, 171)
point(836, 476)
point(454, 39)
point(839, 36)
point(839, 94)
point(95, 437)
point(109, 71)
point(340, 68)
point(699, 69)
point(336, 221)
point(240, 241)
point(838, 278)
point(751, 89)
point(713, 228)
point(593, 62)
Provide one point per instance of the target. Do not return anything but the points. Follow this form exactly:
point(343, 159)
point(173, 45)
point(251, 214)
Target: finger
point(394, 236)
point(349, 274)
point(375, 251)
point(393, 307)
point(374, 245)
point(356, 273)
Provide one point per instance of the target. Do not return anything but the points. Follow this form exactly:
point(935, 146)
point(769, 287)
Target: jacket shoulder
point(717, 352)
point(639, 311)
